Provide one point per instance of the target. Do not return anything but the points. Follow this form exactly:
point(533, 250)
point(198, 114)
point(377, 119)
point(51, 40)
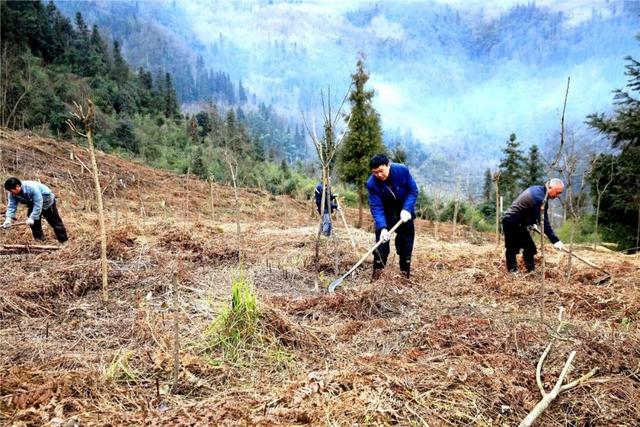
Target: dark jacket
point(388, 198)
point(525, 210)
point(330, 199)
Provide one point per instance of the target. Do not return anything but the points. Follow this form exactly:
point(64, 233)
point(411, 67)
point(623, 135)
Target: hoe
point(600, 281)
point(338, 282)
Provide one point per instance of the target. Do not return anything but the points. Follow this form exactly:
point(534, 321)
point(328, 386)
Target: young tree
point(120, 70)
point(599, 186)
point(511, 169)
point(326, 149)
point(171, 108)
point(487, 186)
point(242, 94)
point(533, 171)
point(363, 138)
point(622, 216)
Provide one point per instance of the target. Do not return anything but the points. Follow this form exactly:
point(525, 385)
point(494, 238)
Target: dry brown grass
point(456, 345)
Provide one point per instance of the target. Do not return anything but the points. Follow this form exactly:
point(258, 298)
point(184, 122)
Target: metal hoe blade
point(336, 283)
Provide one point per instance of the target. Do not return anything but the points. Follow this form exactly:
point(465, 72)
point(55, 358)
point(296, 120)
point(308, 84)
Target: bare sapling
point(575, 194)
point(140, 201)
point(552, 166)
point(85, 118)
point(496, 181)
point(187, 212)
point(213, 212)
point(326, 149)
point(600, 191)
point(232, 163)
point(438, 206)
point(176, 334)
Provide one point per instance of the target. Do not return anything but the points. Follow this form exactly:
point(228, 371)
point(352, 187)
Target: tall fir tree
point(620, 214)
point(363, 138)
point(99, 62)
point(511, 169)
point(120, 70)
point(242, 94)
point(487, 186)
point(171, 108)
point(532, 173)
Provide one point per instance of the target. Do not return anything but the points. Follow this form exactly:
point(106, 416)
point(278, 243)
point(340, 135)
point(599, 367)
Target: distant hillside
point(459, 78)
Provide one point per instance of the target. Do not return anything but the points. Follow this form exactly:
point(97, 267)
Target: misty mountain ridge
point(459, 78)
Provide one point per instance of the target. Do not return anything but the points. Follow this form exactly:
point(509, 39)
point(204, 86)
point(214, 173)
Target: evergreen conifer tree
point(120, 70)
point(363, 138)
point(511, 169)
point(171, 109)
point(487, 186)
point(533, 173)
point(620, 213)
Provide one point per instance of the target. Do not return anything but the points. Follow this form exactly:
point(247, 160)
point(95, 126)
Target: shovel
point(599, 281)
point(336, 283)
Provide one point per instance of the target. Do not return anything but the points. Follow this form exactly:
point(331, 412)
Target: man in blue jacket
point(40, 201)
point(523, 213)
point(330, 203)
point(392, 197)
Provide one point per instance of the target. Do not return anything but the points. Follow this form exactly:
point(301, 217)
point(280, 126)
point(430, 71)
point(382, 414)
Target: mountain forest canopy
point(49, 62)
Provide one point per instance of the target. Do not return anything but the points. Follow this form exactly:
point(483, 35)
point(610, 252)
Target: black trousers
point(405, 235)
point(517, 237)
point(53, 218)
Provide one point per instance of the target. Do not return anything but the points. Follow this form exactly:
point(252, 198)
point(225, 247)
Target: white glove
point(30, 221)
point(405, 216)
point(385, 236)
point(6, 223)
point(559, 245)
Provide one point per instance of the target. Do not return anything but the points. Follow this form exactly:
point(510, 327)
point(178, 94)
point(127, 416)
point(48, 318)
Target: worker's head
point(555, 187)
point(379, 166)
point(13, 186)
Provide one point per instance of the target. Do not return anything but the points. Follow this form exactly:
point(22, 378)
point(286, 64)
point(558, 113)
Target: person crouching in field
point(40, 201)
point(523, 213)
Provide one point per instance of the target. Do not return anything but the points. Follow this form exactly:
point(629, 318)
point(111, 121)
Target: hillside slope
point(456, 345)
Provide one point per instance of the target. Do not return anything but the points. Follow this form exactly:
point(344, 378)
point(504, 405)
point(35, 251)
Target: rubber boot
point(405, 266)
point(529, 264)
point(377, 272)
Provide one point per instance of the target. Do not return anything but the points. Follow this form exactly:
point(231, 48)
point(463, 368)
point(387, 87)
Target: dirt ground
point(458, 344)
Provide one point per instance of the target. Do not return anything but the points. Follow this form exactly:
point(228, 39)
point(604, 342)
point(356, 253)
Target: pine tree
point(487, 186)
point(99, 61)
point(171, 109)
point(511, 169)
point(620, 214)
point(242, 94)
point(120, 70)
point(363, 138)
point(198, 167)
point(533, 173)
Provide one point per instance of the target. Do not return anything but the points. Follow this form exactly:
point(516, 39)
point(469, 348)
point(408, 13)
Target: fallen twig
point(547, 398)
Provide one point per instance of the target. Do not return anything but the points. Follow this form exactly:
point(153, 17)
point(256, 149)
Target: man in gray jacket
point(40, 201)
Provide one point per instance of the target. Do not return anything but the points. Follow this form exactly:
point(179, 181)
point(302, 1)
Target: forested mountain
point(458, 79)
point(50, 62)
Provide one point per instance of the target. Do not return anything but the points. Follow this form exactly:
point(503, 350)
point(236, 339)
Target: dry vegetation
point(456, 345)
